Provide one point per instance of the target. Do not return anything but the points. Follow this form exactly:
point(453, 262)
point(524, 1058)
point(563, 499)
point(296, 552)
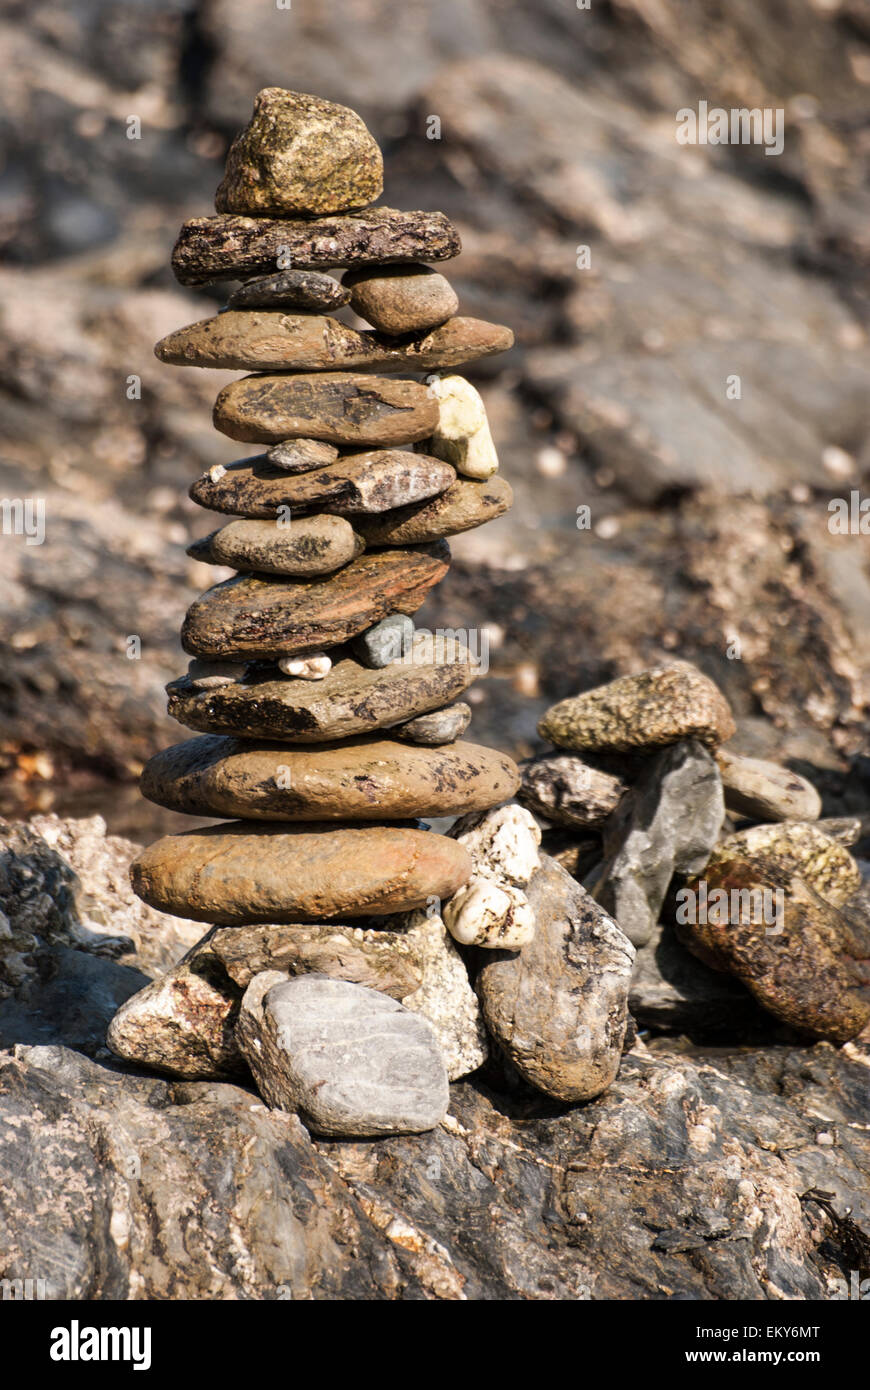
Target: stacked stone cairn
point(326, 724)
point(741, 902)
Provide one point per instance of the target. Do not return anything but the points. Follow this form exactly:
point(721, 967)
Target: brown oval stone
point(309, 545)
point(464, 505)
point(401, 298)
point(342, 408)
point(376, 481)
point(235, 875)
point(356, 779)
point(260, 616)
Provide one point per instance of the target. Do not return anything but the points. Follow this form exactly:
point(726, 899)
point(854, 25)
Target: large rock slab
point(351, 699)
point(650, 710)
point(462, 506)
point(559, 1007)
point(231, 247)
point(263, 340)
point(350, 1060)
point(356, 779)
point(762, 790)
point(668, 823)
point(235, 874)
point(354, 484)
point(310, 545)
point(300, 155)
point(261, 616)
point(341, 408)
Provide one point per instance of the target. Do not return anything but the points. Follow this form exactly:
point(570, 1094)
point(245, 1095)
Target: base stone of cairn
point(326, 726)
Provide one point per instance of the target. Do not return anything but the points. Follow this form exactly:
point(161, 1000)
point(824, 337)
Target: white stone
point(310, 666)
point(503, 843)
point(485, 913)
point(462, 436)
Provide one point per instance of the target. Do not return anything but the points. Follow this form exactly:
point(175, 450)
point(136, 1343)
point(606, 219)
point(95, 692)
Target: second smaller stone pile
point(716, 866)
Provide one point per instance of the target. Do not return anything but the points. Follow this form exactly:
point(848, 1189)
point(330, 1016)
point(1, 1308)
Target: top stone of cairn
point(300, 156)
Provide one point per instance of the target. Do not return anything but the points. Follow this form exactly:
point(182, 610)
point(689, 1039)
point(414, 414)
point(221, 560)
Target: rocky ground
point(708, 540)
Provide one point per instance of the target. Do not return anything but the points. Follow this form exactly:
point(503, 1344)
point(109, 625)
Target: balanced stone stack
point(327, 725)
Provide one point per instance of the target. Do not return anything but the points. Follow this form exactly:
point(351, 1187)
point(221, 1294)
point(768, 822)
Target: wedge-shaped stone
point(351, 699)
point(358, 779)
point(264, 340)
point(464, 505)
point(376, 481)
point(260, 616)
point(230, 247)
point(311, 545)
point(343, 408)
point(235, 874)
point(290, 289)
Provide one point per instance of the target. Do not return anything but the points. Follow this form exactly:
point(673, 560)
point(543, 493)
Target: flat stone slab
point(650, 710)
point(230, 247)
point(356, 484)
point(353, 1063)
point(357, 779)
point(309, 545)
point(461, 507)
point(765, 791)
point(239, 874)
point(351, 699)
point(343, 408)
point(263, 340)
point(300, 155)
point(290, 289)
point(256, 616)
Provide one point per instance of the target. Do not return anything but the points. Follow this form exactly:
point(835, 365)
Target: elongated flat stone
point(230, 247)
point(351, 699)
point(373, 481)
point(357, 779)
point(309, 545)
point(234, 874)
point(342, 408)
point(263, 340)
point(464, 505)
point(300, 155)
point(256, 616)
point(290, 289)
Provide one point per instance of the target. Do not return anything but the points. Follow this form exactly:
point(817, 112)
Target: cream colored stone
point(307, 667)
point(485, 913)
point(462, 436)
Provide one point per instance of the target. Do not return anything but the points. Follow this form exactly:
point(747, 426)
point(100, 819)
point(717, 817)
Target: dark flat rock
point(341, 408)
point(290, 289)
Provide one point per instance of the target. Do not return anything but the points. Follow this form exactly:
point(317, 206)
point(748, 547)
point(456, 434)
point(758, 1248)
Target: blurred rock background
point(709, 530)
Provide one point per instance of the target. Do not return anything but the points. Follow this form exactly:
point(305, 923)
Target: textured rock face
point(559, 1007)
point(433, 730)
point(291, 289)
point(569, 792)
point(352, 699)
point(764, 791)
point(797, 848)
point(801, 958)
point(264, 340)
point(355, 483)
point(352, 1061)
point(339, 407)
point(668, 824)
point(300, 156)
point(230, 247)
point(401, 298)
point(250, 616)
point(236, 874)
point(356, 779)
point(651, 710)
